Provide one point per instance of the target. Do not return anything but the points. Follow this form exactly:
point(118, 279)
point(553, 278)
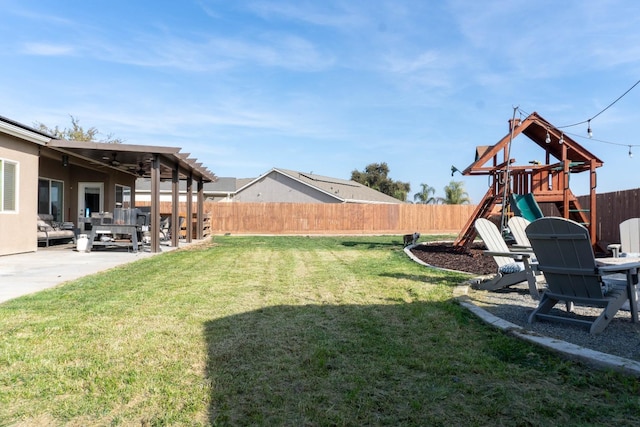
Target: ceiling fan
point(114, 162)
point(107, 161)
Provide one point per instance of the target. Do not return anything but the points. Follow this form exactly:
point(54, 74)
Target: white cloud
point(323, 14)
point(48, 19)
point(425, 60)
point(209, 53)
point(244, 85)
point(47, 49)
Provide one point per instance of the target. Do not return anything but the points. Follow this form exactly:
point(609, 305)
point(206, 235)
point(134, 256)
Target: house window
point(51, 197)
point(8, 186)
point(123, 196)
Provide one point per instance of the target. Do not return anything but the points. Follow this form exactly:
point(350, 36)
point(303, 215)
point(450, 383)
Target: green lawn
point(295, 331)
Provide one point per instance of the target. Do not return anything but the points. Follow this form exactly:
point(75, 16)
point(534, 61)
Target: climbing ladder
point(484, 208)
point(575, 211)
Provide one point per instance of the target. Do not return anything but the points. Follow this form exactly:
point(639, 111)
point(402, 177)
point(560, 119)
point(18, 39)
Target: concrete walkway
point(26, 273)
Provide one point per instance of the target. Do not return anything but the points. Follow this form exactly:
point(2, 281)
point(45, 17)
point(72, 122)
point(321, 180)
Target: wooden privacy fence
point(336, 218)
point(331, 218)
point(611, 209)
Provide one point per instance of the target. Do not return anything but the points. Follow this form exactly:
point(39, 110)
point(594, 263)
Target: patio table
point(629, 266)
point(112, 229)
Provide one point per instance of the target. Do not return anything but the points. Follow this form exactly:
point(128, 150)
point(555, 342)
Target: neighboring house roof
point(342, 190)
point(222, 185)
point(241, 182)
point(345, 191)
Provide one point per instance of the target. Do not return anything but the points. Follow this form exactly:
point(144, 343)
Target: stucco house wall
point(276, 187)
point(17, 229)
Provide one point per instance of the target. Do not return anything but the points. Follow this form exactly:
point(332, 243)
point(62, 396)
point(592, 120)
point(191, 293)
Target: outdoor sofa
point(49, 230)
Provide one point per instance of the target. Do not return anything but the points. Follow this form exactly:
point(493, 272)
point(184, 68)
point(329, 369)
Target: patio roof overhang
point(155, 162)
point(136, 160)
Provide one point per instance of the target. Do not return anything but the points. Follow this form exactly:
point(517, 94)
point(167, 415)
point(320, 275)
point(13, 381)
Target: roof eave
point(23, 133)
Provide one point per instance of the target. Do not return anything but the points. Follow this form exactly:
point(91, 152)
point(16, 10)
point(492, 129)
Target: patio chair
point(49, 230)
point(165, 229)
point(517, 225)
point(513, 267)
point(182, 225)
point(629, 239)
point(565, 257)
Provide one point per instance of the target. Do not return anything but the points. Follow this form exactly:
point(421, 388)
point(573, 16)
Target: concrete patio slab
point(26, 273)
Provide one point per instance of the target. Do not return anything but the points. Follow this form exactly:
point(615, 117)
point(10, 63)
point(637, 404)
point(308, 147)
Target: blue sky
point(330, 86)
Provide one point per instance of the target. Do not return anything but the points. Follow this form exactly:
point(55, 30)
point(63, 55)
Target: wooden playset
point(546, 183)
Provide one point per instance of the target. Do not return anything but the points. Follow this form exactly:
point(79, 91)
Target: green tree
point(454, 194)
point(77, 133)
point(425, 195)
point(376, 176)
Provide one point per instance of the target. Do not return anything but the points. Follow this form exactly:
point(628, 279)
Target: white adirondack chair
point(629, 239)
point(517, 225)
point(513, 267)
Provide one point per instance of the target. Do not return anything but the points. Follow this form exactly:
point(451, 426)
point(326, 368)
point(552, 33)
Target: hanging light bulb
point(561, 141)
point(630, 153)
point(589, 128)
point(548, 138)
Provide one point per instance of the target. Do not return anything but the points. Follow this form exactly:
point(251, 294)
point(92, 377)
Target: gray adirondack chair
point(513, 266)
point(565, 257)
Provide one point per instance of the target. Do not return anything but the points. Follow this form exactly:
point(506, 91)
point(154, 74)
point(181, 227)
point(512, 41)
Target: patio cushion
point(43, 226)
point(514, 267)
point(630, 254)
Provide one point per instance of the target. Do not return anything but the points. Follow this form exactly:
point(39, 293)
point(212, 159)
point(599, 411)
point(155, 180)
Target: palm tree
point(424, 196)
point(455, 194)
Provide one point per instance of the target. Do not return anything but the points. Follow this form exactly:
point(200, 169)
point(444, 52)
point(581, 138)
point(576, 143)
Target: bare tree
point(77, 133)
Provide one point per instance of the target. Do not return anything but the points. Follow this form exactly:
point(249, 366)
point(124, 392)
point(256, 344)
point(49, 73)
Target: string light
point(588, 122)
point(630, 146)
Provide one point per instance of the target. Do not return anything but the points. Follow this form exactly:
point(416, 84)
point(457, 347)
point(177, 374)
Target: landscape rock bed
point(621, 337)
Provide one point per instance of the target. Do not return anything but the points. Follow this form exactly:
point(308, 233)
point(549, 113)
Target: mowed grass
point(343, 331)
